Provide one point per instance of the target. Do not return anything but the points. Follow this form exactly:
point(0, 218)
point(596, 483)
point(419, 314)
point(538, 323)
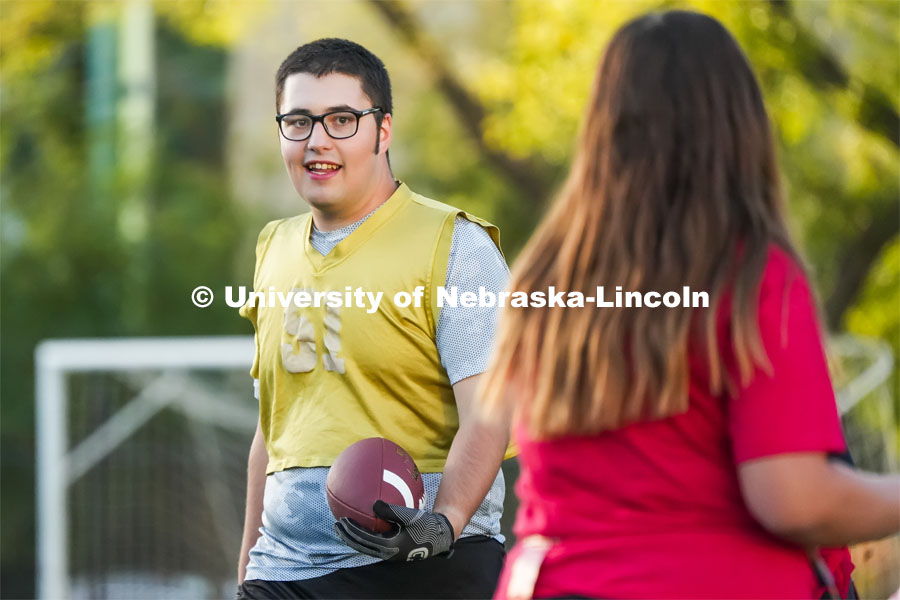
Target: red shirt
point(654, 509)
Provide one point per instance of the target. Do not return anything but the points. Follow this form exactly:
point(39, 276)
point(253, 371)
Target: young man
point(327, 377)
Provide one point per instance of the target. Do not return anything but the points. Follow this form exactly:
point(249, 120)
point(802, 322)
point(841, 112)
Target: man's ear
point(384, 134)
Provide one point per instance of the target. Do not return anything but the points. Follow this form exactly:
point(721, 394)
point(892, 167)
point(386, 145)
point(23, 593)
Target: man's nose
point(318, 137)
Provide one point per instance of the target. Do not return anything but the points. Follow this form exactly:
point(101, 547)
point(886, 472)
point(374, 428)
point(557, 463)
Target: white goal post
point(58, 465)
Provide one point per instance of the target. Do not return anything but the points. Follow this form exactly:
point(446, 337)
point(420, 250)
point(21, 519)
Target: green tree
point(69, 266)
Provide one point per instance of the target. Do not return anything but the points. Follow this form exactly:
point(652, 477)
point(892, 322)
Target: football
point(369, 470)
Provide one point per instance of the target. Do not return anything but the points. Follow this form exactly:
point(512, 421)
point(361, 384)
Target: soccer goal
point(863, 373)
point(142, 457)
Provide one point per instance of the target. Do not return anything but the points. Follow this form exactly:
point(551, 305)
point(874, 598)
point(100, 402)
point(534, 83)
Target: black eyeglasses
point(339, 124)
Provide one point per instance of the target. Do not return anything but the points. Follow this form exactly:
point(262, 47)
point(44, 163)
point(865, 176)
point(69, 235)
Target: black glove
point(420, 534)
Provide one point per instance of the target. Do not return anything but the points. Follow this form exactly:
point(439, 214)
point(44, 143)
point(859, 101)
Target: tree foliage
point(69, 269)
point(490, 126)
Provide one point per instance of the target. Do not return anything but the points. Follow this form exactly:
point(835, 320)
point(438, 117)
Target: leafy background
point(107, 227)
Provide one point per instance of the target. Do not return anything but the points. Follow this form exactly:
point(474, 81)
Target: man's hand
point(420, 534)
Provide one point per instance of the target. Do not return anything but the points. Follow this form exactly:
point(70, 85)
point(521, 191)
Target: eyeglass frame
point(359, 114)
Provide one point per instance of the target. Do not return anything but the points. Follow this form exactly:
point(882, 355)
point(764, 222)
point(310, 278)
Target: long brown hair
point(674, 184)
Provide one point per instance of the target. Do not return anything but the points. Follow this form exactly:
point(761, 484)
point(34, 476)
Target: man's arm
point(256, 483)
point(474, 459)
point(464, 340)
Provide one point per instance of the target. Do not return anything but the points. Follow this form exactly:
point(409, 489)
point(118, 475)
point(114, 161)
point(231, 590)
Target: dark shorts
point(470, 572)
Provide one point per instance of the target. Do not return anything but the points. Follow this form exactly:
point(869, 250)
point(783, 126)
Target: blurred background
point(140, 158)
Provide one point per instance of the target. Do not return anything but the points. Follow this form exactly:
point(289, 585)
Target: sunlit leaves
point(536, 91)
point(214, 22)
point(877, 313)
point(32, 34)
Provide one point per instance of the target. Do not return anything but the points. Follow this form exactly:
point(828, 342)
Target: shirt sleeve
point(465, 335)
point(793, 408)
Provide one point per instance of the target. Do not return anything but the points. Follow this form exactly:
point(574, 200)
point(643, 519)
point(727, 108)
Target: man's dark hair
point(335, 55)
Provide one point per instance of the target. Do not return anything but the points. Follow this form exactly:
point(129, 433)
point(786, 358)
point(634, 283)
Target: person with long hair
point(676, 452)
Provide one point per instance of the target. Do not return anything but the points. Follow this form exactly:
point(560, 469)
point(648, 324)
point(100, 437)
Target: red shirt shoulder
point(789, 406)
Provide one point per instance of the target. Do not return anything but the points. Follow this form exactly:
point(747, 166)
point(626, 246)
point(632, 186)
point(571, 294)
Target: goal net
point(866, 385)
point(142, 462)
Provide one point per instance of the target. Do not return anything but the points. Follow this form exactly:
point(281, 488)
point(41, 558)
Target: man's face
point(351, 171)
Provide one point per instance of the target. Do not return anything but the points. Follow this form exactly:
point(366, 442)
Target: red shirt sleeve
point(793, 408)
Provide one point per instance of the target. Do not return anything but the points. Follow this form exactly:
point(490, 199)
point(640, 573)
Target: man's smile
point(321, 169)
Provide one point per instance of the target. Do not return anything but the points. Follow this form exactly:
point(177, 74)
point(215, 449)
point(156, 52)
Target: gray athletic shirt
point(297, 540)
